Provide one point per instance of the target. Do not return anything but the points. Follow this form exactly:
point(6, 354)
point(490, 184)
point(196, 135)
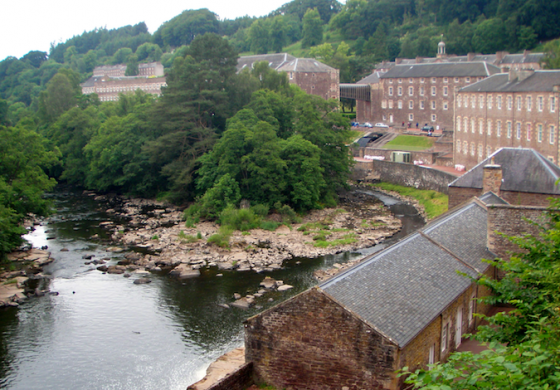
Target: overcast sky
point(27, 25)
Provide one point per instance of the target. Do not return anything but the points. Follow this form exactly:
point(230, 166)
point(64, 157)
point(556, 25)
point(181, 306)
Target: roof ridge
point(442, 247)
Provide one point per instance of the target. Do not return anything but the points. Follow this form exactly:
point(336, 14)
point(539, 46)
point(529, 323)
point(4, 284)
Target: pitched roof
point(371, 79)
point(305, 65)
point(522, 58)
point(491, 198)
point(443, 69)
point(540, 80)
point(523, 170)
point(402, 289)
point(274, 60)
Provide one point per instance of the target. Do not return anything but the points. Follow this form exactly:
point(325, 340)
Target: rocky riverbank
point(162, 241)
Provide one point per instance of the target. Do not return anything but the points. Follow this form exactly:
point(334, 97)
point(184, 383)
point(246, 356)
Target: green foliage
point(434, 203)
point(224, 193)
point(270, 225)
point(260, 209)
point(523, 343)
point(221, 238)
point(188, 238)
point(312, 28)
point(183, 28)
point(239, 219)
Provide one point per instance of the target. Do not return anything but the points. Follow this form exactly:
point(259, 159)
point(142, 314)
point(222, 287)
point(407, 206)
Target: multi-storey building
point(420, 93)
point(154, 69)
point(108, 88)
point(515, 109)
point(309, 74)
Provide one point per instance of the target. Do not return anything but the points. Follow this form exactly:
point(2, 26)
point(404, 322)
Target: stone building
point(309, 74)
point(405, 306)
point(154, 69)
point(108, 88)
point(420, 93)
point(520, 176)
point(515, 109)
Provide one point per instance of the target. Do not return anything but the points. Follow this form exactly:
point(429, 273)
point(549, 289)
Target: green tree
point(259, 36)
point(278, 33)
point(489, 36)
point(183, 28)
point(148, 52)
point(551, 59)
point(132, 66)
point(312, 29)
point(60, 96)
point(121, 56)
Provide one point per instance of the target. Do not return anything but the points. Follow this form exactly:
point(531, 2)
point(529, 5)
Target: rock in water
point(142, 281)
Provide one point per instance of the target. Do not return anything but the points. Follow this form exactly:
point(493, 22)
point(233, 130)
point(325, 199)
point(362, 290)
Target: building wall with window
point(519, 109)
point(313, 77)
point(423, 93)
point(109, 88)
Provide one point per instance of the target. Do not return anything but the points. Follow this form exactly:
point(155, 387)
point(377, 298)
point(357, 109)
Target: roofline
point(543, 162)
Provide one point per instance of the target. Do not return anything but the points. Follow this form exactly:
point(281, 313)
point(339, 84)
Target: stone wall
point(311, 342)
point(426, 157)
point(510, 220)
point(458, 195)
point(239, 379)
point(411, 175)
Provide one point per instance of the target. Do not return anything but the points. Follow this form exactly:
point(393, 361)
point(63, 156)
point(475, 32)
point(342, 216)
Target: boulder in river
point(142, 281)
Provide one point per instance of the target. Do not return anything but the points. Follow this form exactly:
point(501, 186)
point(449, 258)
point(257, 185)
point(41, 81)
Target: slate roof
point(402, 289)
point(521, 58)
point(490, 198)
point(91, 81)
point(274, 60)
point(371, 79)
point(540, 80)
point(523, 170)
point(305, 65)
point(443, 69)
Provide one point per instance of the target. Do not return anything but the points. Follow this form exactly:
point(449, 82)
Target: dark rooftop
point(444, 69)
point(523, 170)
point(540, 80)
point(305, 65)
point(274, 60)
point(400, 290)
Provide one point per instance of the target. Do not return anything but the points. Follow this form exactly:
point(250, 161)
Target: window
point(445, 90)
point(466, 101)
point(472, 308)
point(489, 127)
point(421, 104)
point(456, 79)
point(410, 117)
point(434, 117)
point(467, 79)
point(400, 104)
point(444, 332)
point(459, 99)
point(473, 101)
point(518, 130)
point(552, 104)
point(499, 102)
point(445, 105)
point(488, 151)
point(529, 103)
point(384, 104)
point(465, 124)
point(498, 128)
point(479, 150)
point(509, 102)
point(399, 91)
point(551, 134)
point(432, 354)
point(433, 91)
point(410, 80)
point(390, 81)
point(410, 91)
point(445, 80)
point(410, 104)
point(400, 81)
point(465, 147)
point(472, 149)
point(528, 132)
point(509, 129)
point(390, 104)
point(433, 102)
point(472, 125)
point(481, 101)
point(489, 102)
point(541, 103)
point(433, 79)
point(458, 147)
point(422, 80)
point(459, 124)
point(539, 133)
point(480, 126)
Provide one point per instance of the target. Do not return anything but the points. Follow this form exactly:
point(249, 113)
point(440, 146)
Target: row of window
point(433, 117)
point(421, 104)
point(146, 87)
point(463, 124)
point(434, 79)
point(520, 102)
point(463, 147)
point(421, 91)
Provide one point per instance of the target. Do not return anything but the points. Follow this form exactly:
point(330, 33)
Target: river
point(103, 332)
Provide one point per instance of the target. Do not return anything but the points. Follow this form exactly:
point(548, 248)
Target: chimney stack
point(492, 178)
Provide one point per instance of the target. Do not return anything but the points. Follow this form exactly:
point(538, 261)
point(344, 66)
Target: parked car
point(367, 124)
point(381, 125)
point(354, 124)
point(428, 128)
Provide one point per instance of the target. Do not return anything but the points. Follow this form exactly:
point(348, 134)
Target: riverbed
point(103, 332)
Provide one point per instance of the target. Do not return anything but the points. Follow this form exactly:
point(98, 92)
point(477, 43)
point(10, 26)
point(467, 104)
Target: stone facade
point(311, 342)
point(495, 114)
point(108, 88)
point(313, 77)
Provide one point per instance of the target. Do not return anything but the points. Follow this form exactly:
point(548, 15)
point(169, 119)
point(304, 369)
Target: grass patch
point(221, 238)
point(185, 238)
point(346, 240)
point(410, 142)
point(435, 203)
point(270, 225)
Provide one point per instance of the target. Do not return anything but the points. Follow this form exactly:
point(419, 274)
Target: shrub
point(260, 210)
point(239, 219)
point(288, 214)
point(270, 225)
point(199, 235)
point(221, 238)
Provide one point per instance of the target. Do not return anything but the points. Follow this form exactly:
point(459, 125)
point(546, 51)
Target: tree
point(312, 28)
point(121, 56)
point(132, 66)
point(523, 343)
point(259, 35)
point(489, 36)
point(278, 33)
point(551, 59)
point(148, 52)
point(184, 28)
point(59, 97)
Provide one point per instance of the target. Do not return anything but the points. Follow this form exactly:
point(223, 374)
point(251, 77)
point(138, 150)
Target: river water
point(103, 332)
